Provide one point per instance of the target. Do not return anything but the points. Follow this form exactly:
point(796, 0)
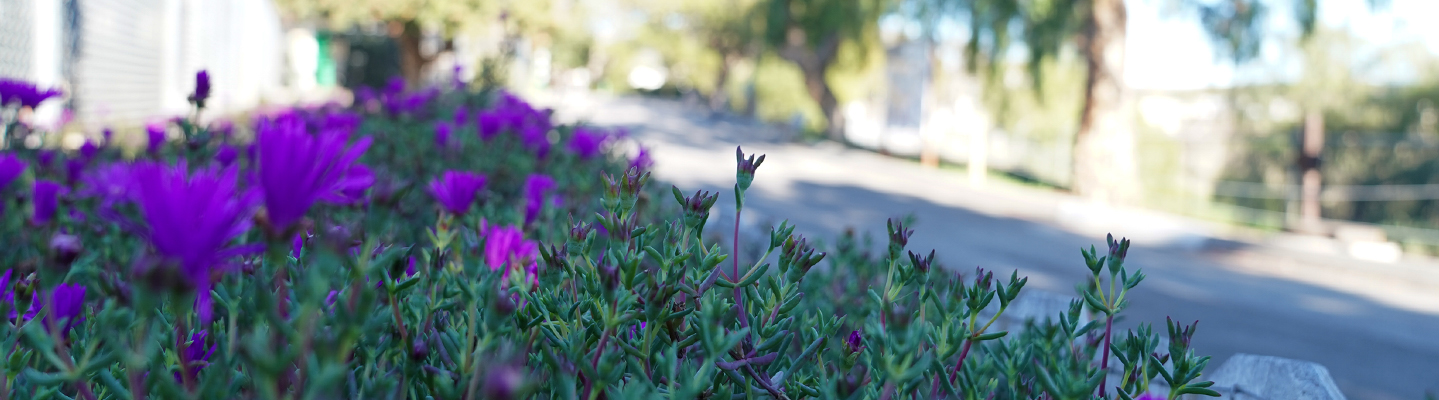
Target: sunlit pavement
point(1375, 326)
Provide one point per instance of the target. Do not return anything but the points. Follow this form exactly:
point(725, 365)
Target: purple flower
point(6, 293)
point(195, 357)
point(74, 168)
point(489, 124)
point(642, 161)
point(24, 93)
point(193, 217)
point(352, 187)
point(45, 158)
point(395, 86)
point(588, 142)
point(507, 248)
point(296, 169)
point(202, 89)
point(534, 137)
point(66, 304)
point(363, 97)
point(456, 190)
point(226, 155)
point(462, 116)
point(537, 186)
point(10, 168)
point(341, 121)
point(89, 150)
point(298, 243)
point(107, 133)
point(45, 199)
point(442, 133)
point(156, 134)
point(1149, 396)
point(110, 182)
point(854, 343)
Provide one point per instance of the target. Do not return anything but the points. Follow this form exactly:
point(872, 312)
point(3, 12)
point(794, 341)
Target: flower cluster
point(374, 251)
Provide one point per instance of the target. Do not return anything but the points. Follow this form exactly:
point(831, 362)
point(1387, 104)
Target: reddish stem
point(595, 362)
point(963, 352)
point(1104, 363)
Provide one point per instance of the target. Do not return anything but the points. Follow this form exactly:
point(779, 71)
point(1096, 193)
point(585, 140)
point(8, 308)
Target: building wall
point(15, 34)
point(126, 62)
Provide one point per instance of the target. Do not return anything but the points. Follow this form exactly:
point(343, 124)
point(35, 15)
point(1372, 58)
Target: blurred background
point(1293, 129)
point(1197, 107)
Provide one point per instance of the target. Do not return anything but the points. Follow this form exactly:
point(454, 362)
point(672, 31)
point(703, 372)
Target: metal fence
point(1049, 161)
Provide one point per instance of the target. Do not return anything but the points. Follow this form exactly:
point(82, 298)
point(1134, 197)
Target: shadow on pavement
point(1373, 350)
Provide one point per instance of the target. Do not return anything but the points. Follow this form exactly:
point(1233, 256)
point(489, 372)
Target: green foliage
point(447, 15)
point(814, 20)
point(1377, 133)
point(628, 299)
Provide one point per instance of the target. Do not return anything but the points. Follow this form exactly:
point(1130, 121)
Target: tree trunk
point(813, 62)
point(819, 90)
point(1312, 147)
point(407, 35)
point(1104, 157)
point(719, 95)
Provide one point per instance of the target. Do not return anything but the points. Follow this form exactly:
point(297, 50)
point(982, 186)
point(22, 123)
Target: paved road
point(1376, 327)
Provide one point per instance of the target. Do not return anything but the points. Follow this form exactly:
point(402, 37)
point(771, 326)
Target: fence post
point(1310, 179)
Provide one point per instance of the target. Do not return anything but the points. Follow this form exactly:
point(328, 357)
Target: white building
point(124, 62)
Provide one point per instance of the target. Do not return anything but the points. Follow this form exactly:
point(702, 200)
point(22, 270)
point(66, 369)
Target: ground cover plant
point(454, 244)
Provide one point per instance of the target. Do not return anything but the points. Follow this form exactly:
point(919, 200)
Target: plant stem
point(738, 291)
point(399, 322)
point(595, 364)
point(963, 352)
point(1104, 362)
point(82, 387)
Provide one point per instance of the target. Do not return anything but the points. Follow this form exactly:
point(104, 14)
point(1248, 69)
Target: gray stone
point(1248, 376)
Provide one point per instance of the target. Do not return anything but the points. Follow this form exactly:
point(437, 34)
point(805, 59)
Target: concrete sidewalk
point(1374, 325)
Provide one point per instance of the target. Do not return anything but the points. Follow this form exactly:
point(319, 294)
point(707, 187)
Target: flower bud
point(420, 350)
point(744, 171)
point(609, 276)
point(922, 264)
point(579, 231)
point(982, 278)
point(696, 208)
point(202, 89)
point(65, 248)
point(1117, 249)
point(503, 382)
point(504, 305)
point(854, 343)
point(898, 236)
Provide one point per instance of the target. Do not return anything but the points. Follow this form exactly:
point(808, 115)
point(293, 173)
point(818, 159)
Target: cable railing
point(1333, 193)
